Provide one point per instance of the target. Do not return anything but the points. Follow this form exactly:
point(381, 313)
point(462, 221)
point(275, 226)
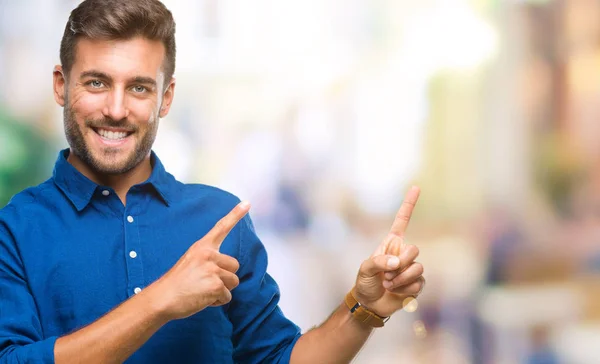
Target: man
point(112, 259)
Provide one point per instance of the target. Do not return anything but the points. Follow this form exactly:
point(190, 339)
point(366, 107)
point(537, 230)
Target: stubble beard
point(107, 163)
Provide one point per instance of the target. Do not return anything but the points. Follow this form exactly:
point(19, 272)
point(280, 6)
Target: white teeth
point(112, 135)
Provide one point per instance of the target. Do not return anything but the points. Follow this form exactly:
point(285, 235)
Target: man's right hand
point(203, 276)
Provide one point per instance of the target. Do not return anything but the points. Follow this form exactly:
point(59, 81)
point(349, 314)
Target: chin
point(113, 162)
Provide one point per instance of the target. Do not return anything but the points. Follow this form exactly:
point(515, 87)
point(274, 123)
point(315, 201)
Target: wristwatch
point(363, 314)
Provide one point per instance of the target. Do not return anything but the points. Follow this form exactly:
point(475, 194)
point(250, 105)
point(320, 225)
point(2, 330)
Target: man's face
point(113, 98)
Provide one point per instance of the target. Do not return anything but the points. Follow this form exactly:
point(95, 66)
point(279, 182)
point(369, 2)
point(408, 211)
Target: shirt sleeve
point(21, 337)
point(261, 333)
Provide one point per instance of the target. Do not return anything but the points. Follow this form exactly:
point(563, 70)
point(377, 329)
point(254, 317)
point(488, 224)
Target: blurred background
point(323, 113)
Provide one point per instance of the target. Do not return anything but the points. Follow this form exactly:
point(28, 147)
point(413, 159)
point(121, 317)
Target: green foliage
point(25, 157)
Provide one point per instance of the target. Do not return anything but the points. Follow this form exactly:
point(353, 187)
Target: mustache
point(106, 123)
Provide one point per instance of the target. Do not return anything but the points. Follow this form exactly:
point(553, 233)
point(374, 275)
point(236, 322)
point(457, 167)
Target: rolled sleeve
point(261, 333)
point(21, 337)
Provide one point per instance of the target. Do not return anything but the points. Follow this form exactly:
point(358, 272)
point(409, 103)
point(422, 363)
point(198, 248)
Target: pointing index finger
point(404, 213)
point(218, 233)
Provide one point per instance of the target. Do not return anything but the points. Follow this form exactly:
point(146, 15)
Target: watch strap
point(363, 314)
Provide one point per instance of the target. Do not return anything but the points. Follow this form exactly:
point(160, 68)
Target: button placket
point(135, 274)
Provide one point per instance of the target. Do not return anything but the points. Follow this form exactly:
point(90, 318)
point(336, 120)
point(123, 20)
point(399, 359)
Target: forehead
point(120, 58)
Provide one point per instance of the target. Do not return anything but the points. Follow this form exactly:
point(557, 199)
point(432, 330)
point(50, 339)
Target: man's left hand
point(391, 275)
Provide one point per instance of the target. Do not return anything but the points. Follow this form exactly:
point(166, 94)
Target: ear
point(167, 98)
point(59, 84)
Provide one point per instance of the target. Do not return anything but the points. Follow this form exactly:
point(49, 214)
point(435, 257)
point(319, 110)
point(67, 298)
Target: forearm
point(337, 340)
point(114, 337)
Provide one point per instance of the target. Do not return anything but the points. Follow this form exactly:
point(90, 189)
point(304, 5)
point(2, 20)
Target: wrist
point(363, 314)
point(354, 322)
point(156, 303)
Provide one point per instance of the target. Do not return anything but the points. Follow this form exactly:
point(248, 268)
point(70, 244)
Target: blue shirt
point(70, 251)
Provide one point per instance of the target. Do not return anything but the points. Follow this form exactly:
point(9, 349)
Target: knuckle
point(235, 282)
point(413, 250)
point(236, 265)
point(214, 269)
point(210, 269)
point(409, 290)
point(205, 254)
point(226, 297)
point(399, 281)
point(220, 225)
point(419, 269)
point(215, 284)
point(414, 288)
point(403, 217)
point(407, 277)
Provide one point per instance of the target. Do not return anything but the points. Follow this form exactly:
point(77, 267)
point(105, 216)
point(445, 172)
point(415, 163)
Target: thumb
point(378, 264)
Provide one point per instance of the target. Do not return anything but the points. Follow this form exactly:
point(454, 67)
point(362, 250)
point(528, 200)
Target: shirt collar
point(79, 189)
point(161, 180)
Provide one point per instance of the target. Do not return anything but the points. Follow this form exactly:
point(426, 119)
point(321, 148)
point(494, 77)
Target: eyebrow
point(145, 80)
point(104, 76)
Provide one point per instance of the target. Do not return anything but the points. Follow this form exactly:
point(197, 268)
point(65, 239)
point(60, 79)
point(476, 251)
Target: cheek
point(147, 113)
point(87, 106)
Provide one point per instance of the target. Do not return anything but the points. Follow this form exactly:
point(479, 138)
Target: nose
point(115, 106)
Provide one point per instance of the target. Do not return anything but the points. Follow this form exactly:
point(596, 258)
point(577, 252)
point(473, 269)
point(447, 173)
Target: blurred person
point(542, 351)
point(112, 259)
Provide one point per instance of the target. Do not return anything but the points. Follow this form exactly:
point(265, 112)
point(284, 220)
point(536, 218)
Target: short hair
point(119, 20)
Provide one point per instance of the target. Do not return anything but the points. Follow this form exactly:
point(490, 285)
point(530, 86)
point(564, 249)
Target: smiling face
point(113, 98)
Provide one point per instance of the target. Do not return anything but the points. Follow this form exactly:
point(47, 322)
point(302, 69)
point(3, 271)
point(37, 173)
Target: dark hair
point(119, 20)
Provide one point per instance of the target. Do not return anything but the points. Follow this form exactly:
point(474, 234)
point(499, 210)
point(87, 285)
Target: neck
point(120, 183)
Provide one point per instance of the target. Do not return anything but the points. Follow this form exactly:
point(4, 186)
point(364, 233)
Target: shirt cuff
point(286, 356)
point(38, 352)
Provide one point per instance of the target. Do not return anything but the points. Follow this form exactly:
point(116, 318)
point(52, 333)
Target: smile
point(112, 135)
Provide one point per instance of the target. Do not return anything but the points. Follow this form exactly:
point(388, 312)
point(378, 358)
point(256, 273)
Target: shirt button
point(137, 290)
point(130, 218)
point(106, 192)
point(133, 254)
